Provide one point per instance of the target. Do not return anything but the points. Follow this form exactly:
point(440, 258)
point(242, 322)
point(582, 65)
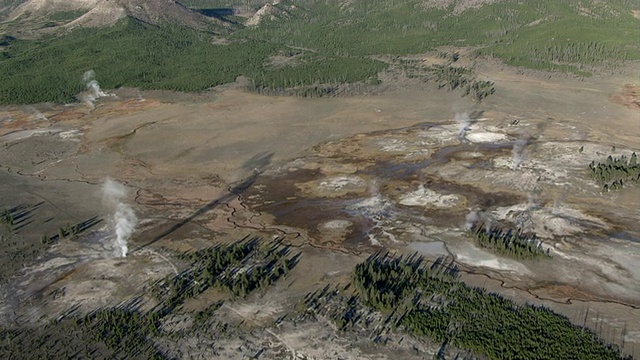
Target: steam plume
point(124, 219)
point(525, 218)
point(517, 153)
point(471, 218)
point(95, 92)
point(464, 123)
point(488, 224)
point(374, 191)
point(478, 217)
point(37, 114)
point(88, 76)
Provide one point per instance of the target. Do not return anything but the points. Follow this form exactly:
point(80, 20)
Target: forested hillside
point(328, 42)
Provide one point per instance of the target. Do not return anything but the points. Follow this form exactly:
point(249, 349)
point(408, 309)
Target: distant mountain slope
point(101, 13)
point(40, 8)
point(564, 35)
point(301, 46)
point(7, 6)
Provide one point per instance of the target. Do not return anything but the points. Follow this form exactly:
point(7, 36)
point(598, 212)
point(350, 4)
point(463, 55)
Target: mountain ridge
point(102, 13)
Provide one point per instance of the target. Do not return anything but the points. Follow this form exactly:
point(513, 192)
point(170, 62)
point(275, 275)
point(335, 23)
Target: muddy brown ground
point(339, 178)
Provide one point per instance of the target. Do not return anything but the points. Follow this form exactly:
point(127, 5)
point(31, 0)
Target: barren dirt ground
point(340, 178)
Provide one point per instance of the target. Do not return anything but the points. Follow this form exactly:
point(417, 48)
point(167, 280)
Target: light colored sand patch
point(469, 155)
point(617, 265)
point(73, 135)
point(429, 198)
point(373, 206)
point(85, 291)
point(337, 225)
point(549, 222)
point(624, 253)
point(555, 226)
point(393, 145)
point(482, 137)
point(508, 162)
point(19, 135)
point(257, 311)
point(373, 241)
point(429, 248)
point(422, 153)
point(441, 135)
point(49, 265)
point(334, 186)
point(313, 343)
point(340, 182)
point(268, 11)
point(632, 337)
point(390, 236)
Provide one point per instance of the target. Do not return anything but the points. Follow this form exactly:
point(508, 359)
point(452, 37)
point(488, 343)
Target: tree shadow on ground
point(257, 164)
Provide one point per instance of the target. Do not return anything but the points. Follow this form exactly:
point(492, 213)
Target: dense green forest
point(427, 300)
point(339, 44)
point(551, 35)
point(141, 55)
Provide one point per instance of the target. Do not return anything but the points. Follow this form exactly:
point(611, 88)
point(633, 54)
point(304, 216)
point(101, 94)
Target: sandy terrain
point(340, 178)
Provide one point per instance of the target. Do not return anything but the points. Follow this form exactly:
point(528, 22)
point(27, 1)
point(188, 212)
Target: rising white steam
point(478, 217)
point(557, 203)
point(37, 114)
point(524, 220)
point(88, 76)
point(464, 123)
point(471, 218)
point(124, 219)
point(517, 153)
point(95, 92)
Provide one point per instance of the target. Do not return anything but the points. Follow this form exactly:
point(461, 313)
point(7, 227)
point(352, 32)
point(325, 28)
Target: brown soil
point(629, 97)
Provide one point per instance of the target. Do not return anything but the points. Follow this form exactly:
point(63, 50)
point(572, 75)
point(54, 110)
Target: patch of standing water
point(471, 255)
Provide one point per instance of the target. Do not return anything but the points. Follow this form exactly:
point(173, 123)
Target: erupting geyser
point(124, 219)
